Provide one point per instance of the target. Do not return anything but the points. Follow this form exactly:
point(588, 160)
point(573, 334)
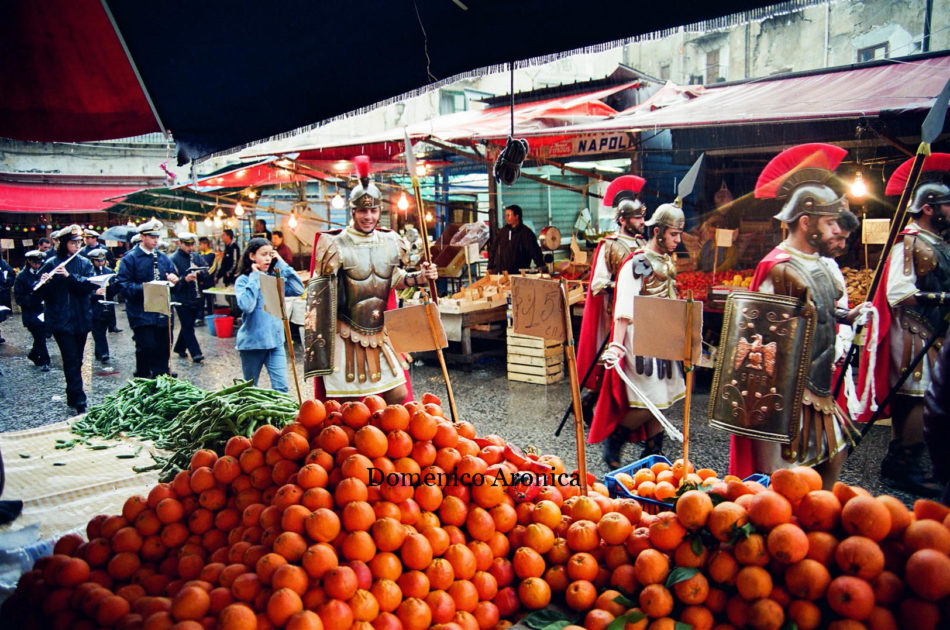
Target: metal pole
point(575, 390)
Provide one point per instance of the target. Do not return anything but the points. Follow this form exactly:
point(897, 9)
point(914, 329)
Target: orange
point(582, 535)
point(387, 593)
point(866, 516)
point(191, 602)
point(666, 532)
point(788, 543)
point(753, 583)
point(807, 579)
point(656, 600)
point(765, 614)
point(926, 534)
point(414, 614)
point(237, 617)
point(283, 603)
point(901, 517)
point(582, 566)
point(692, 591)
point(751, 551)
point(724, 517)
point(580, 595)
point(850, 597)
point(860, 556)
point(322, 525)
point(693, 509)
point(651, 567)
point(416, 552)
point(928, 574)
point(805, 614)
point(340, 582)
point(534, 593)
point(768, 509)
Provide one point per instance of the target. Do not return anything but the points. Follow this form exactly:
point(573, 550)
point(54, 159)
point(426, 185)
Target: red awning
point(469, 127)
point(58, 199)
point(849, 93)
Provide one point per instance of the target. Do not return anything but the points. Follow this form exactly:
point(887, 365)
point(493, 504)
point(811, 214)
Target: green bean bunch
point(143, 407)
point(218, 416)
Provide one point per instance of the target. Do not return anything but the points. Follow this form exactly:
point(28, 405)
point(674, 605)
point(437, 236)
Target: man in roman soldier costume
point(620, 415)
point(354, 271)
point(799, 267)
point(912, 302)
point(609, 254)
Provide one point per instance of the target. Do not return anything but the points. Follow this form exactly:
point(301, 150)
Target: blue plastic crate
point(618, 490)
point(763, 479)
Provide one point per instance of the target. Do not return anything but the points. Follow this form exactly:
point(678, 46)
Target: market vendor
point(364, 263)
point(515, 246)
point(150, 331)
point(799, 267)
point(912, 303)
point(620, 414)
point(611, 251)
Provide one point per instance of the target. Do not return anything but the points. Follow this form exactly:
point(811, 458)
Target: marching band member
point(31, 307)
point(102, 314)
point(188, 295)
point(66, 311)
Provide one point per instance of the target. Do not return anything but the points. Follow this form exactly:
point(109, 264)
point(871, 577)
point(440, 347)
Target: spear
point(417, 192)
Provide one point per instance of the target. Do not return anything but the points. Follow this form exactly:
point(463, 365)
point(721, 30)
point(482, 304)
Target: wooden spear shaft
point(290, 344)
point(688, 367)
point(417, 192)
point(575, 390)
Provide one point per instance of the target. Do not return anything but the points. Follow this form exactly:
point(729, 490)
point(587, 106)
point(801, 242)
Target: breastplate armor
point(365, 279)
point(824, 293)
point(662, 282)
point(617, 250)
point(932, 265)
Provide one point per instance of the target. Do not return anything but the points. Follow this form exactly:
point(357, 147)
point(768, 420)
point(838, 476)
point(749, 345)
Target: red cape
point(588, 343)
point(882, 364)
point(740, 453)
point(319, 392)
point(611, 402)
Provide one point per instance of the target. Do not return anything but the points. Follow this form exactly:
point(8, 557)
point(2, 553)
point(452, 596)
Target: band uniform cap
point(90, 233)
point(668, 215)
point(97, 254)
point(136, 238)
point(162, 244)
point(70, 233)
point(37, 254)
point(150, 228)
point(187, 238)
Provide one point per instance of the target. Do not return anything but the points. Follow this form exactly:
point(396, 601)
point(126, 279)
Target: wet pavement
point(523, 413)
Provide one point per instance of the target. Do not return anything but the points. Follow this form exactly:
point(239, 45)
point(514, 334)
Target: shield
point(761, 366)
point(320, 326)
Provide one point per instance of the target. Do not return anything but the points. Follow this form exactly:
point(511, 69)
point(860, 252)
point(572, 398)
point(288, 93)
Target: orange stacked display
point(294, 528)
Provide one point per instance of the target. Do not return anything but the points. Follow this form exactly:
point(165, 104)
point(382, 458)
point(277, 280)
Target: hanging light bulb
point(292, 221)
point(858, 187)
point(403, 203)
point(251, 193)
point(428, 217)
point(208, 222)
point(238, 209)
point(421, 169)
point(217, 222)
point(219, 213)
point(184, 222)
point(337, 202)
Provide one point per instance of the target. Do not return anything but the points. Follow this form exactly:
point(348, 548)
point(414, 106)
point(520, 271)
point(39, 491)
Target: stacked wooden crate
point(534, 360)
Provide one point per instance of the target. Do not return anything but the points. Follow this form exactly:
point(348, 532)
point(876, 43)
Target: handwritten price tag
point(724, 237)
point(875, 231)
point(537, 308)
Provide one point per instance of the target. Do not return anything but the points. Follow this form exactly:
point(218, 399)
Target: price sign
point(724, 238)
point(6, 243)
point(537, 308)
point(27, 242)
point(875, 231)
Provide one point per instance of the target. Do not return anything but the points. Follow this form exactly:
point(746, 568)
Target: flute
point(62, 264)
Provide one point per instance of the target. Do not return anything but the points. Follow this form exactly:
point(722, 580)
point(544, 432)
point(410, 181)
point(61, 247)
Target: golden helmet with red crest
point(801, 177)
point(365, 194)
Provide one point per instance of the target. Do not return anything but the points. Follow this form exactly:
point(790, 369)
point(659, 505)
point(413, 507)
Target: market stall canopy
point(474, 126)
point(896, 86)
point(58, 198)
point(220, 76)
point(163, 203)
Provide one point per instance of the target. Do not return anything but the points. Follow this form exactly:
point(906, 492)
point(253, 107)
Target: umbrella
point(118, 233)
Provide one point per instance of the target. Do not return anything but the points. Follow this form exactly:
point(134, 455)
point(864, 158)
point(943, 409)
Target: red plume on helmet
point(362, 168)
point(939, 162)
point(630, 183)
point(812, 155)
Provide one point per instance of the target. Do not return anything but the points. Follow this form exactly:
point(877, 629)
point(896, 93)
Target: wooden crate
point(534, 360)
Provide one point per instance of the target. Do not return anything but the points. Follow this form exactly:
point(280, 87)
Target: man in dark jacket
point(188, 295)
point(936, 428)
point(31, 307)
point(67, 312)
point(515, 245)
point(102, 314)
point(150, 331)
point(228, 269)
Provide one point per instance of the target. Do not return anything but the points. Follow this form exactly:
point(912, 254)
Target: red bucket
point(224, 326)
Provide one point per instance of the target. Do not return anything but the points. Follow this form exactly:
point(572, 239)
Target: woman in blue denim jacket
point(260, 339)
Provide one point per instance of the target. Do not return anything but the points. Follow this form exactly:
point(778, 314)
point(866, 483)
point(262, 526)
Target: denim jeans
point(253, 360)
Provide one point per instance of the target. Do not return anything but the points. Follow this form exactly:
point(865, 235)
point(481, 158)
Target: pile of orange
point(288, 530)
